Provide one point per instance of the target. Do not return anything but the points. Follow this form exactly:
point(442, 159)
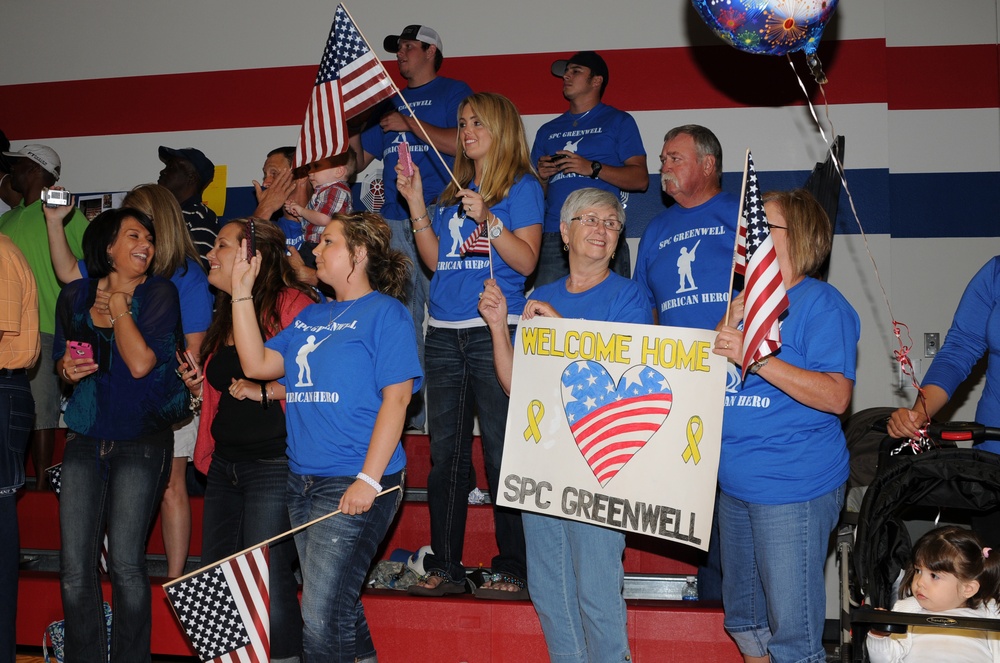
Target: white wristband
point(371, 482)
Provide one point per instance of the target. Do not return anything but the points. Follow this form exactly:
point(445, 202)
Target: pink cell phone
point(405, 161)
point(81, 350)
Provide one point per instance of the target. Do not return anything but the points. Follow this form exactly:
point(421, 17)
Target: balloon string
point(901, 355)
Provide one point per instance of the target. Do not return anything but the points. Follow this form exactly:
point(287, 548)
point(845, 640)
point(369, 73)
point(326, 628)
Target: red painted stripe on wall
point(943, 77)
point(860, 71)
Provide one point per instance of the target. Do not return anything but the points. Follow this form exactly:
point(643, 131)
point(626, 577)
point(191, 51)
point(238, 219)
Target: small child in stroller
point(952, 574)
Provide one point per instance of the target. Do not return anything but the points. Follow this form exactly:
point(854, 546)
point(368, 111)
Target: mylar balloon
point(768, 27)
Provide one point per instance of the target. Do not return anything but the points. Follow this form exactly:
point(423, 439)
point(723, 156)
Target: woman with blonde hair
point(175, 259)
point(499, 196)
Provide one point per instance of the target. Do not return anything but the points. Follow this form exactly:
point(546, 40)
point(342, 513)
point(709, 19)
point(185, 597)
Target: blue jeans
point(553, 261)
point(115, 484)
point(461, 381)
point(335, 555)
point(576, 576)
point(245, 504)
point(17, 413)
point(772, 575)
point(415, 298)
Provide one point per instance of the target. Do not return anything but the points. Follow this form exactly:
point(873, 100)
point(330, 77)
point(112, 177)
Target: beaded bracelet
point(243, 299)
point(371, 482)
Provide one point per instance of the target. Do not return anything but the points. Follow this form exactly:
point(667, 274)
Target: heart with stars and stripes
point(612, 421)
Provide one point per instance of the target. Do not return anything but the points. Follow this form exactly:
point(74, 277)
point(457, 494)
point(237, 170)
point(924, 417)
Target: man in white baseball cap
point(33, 168)
point(44, 156)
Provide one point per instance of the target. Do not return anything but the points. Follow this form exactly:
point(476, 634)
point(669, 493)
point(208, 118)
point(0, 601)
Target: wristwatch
point(497, 229)
point(757, 365)
point(595, 167)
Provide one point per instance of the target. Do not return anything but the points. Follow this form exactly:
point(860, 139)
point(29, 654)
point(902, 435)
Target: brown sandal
point(442, 587)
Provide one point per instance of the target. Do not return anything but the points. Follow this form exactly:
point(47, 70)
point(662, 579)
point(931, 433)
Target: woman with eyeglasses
point(784, 461)
point(500, 195)
point(575, 569)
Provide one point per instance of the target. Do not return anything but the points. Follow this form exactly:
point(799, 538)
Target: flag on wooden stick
point(225, 608)
point(350, 80)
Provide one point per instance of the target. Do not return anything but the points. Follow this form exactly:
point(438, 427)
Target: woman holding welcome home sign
point(574, 568)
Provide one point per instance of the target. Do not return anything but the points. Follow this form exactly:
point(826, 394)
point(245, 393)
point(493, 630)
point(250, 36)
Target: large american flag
point(225, 608)
point(350, 79)
point(612, 422)
point(764, 293)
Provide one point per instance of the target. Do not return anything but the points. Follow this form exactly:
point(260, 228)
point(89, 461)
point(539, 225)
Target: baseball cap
point(197, 158)
point(43, 155)
point(417, 33)
point(589, 59)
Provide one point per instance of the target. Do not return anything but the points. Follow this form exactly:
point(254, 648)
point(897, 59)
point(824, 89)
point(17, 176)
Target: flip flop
point(446, 586)
point(494, 594)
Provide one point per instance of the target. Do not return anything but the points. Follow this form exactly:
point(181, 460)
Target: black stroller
point(913, 483)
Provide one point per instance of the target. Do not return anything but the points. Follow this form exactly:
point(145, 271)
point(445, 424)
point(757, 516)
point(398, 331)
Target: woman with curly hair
point(350, 368)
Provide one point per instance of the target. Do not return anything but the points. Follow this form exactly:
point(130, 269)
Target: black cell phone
point(251, 240)
point(557, 157)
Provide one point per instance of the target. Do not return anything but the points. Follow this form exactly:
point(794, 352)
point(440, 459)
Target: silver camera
point(55, 197)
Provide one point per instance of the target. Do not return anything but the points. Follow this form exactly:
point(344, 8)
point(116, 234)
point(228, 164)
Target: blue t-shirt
point(457, 281)
point(338, 358)
point(192, 289)
point(603, 134)
point(615, 299)
point(685, 260)
point(294, 234)
point(776, 450)
point(975, 331)
point(435, 103)
point(195, 297)
point(111, 404)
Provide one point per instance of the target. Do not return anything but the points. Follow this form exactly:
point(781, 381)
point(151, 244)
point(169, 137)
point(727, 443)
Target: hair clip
point(986, 552)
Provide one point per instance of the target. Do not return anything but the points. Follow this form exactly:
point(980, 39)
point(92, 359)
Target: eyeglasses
point(772, 226)
point(591, 220)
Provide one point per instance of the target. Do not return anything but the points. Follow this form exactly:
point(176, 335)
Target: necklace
point(333, 319)
point(576, 120)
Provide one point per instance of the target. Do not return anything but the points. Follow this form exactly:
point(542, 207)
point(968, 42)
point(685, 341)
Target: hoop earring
point(565, 247)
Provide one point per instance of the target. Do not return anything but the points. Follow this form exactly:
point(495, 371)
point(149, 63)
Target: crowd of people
point(285, 354)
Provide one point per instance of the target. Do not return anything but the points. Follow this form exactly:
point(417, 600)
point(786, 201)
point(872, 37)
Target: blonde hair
point(173, 239)
point(508, 157)
point(810, 235)
point(387, 268)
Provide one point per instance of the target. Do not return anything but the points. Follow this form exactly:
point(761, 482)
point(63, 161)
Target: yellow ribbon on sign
point(695, 428)
point(535, 413)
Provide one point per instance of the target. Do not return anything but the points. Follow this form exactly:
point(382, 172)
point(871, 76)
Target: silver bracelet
point(371, 482)
point(248, 298)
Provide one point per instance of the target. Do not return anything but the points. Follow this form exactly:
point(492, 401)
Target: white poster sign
point(615, 424)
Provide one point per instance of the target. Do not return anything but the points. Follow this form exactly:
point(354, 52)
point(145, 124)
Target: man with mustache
point(685, 259)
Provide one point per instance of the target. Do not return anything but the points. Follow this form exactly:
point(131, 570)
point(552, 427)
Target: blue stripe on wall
point(923, 205)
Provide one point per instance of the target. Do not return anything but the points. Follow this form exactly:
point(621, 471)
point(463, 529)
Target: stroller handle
point(959, 431)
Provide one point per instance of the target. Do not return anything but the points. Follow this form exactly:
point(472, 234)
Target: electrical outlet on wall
point(932, 342)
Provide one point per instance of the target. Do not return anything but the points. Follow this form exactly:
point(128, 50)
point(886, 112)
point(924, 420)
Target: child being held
point(331, 194)
point(951, 574)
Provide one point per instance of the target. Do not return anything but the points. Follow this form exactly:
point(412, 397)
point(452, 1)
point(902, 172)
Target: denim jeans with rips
point(335, 555)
